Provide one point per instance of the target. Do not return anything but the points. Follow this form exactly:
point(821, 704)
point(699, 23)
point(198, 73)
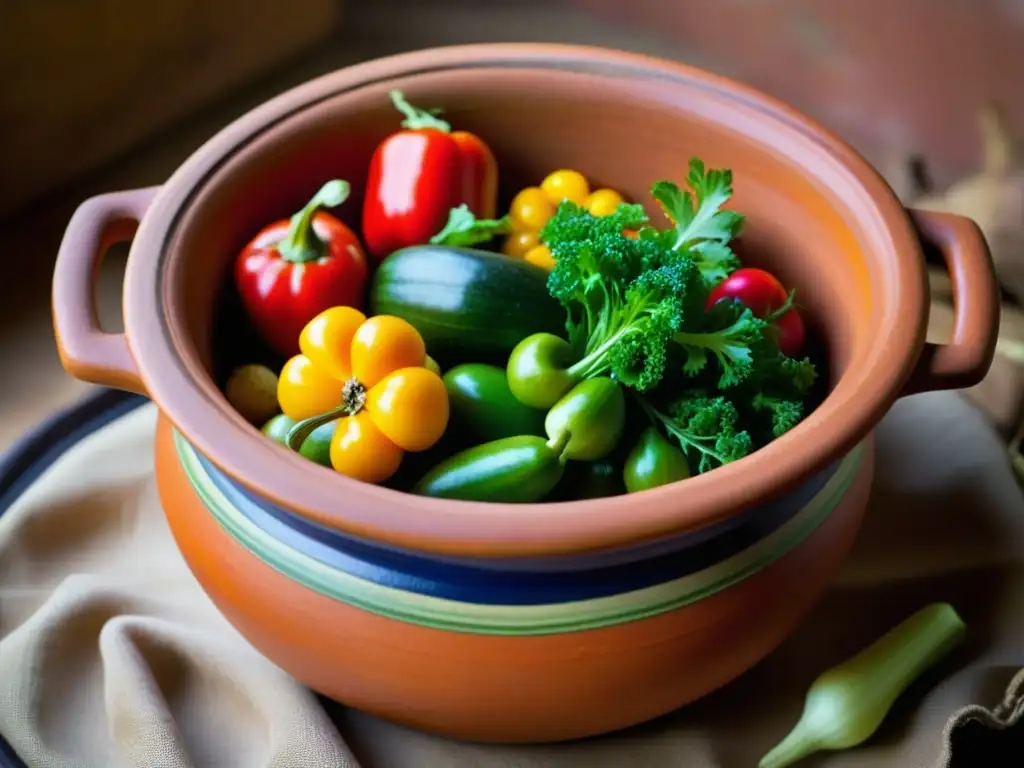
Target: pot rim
point(197, 408)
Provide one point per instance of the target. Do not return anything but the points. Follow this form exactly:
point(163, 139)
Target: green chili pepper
point(520, 469)
point(653, 461)
point(592, 416)
point(846, 704)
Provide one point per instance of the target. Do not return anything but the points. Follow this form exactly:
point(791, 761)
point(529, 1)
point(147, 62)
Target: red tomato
point(763, 293)
point(757, 289)
point(790, 333)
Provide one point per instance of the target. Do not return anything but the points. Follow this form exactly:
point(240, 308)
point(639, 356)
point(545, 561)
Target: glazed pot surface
point(511, 687)
point(821, 219)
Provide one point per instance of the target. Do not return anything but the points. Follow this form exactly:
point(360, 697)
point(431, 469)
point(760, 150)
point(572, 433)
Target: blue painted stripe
point(488, 582)
point(786, 503)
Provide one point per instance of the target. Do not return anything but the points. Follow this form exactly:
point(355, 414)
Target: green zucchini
point(468, 304)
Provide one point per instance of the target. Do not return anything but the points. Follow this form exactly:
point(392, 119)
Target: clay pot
point(524, 622)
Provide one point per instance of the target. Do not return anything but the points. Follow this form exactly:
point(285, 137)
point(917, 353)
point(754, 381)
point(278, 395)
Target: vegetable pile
point(592, 352)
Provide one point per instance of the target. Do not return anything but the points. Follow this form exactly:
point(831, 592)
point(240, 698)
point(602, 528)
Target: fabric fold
point(111, 654)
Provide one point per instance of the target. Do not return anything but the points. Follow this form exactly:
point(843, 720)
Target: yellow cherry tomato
point(541, 256)
point(327, 340)
point(566, 185)
point(304, 389)
point(360, 450)
point(518, 243)
point(532, 208)
point(369, 376)
point(384, 344)
point(410, 406)
point(603, 201)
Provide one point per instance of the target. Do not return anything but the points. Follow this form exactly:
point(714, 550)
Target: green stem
point(353, 398)
point(595, 362)
point(711, 340)
point(415, 118)
point(301, 244)
point(302, 429)
point(787, 305)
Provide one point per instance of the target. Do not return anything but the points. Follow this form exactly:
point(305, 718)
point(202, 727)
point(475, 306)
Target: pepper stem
point(415, 118)
point(353, 398)
point(302, 244)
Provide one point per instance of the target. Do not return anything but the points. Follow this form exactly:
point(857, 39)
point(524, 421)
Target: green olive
point(252, 391)
point(537, 372)
point(653, 461)
point(592, 414)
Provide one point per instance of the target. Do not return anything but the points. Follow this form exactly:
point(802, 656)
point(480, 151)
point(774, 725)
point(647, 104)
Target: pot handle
point(87, 352)
point(965, 360)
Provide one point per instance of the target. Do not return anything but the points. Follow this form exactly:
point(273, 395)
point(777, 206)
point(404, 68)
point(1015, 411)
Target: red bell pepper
point(296, 268)
point(418, 175)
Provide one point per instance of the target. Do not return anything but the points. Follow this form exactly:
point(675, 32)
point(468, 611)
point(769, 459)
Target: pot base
point(491, 688)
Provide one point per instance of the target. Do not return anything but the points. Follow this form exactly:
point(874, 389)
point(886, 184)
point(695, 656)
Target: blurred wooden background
point(100, 95)
point(890, 76)
point(86, 81)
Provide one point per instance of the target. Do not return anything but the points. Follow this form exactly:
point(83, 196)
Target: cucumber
point(469, 305)
point(520, 469)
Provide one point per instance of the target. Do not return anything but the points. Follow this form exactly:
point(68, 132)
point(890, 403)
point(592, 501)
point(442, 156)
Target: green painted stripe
point(451, 615)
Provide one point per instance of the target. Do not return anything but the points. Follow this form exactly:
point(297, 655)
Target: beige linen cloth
point(111, 655)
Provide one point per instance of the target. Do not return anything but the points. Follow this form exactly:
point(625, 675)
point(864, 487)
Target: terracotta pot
point(524, 622)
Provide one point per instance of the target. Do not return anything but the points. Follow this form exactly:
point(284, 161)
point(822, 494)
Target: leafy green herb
point(733, 347)
point(701, 227)
point(464, 229)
